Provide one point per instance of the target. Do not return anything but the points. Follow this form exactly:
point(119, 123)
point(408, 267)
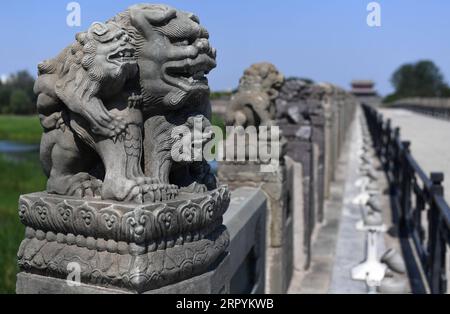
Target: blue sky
point(326, 40)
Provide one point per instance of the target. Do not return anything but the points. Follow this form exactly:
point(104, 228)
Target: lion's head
point(108, 53)
point(104, 55)
point(96, 66)
point(174, 54)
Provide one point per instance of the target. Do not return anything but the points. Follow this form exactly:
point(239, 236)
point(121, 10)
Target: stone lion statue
point(118, 107)
point(147, 65)
point(254, 102)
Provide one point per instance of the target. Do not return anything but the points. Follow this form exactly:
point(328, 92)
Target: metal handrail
point(410, 200)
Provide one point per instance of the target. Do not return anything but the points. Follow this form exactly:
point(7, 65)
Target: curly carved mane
point(76, 66)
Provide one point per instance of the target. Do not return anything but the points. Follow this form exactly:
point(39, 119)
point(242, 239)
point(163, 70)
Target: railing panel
point(246, 223)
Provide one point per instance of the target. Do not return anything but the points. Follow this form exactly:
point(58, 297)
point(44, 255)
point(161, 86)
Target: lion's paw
point(80, 185)
point(194, 188)
point(160, 192)
point(89, 188)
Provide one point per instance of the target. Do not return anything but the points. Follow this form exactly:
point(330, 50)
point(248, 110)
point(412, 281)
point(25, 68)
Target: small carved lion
point(254, 103)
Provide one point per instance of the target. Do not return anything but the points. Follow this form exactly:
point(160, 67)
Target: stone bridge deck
point(429, 139)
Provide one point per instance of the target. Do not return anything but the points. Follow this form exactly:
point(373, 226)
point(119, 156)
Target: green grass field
point(15, 178)
point(25, 129)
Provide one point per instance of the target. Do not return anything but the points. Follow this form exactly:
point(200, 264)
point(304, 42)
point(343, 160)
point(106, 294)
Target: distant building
point(365, 92)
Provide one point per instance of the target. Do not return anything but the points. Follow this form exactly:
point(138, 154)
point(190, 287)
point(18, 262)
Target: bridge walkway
point(429, 139)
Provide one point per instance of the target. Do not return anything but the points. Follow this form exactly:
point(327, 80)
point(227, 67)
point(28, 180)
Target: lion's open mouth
point(124, 55)
point(189, 74)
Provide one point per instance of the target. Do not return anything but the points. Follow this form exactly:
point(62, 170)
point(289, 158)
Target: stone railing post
point(105, 224)
point(318, 138)
point(252, 108)
point(279, 221)
point(301, 150)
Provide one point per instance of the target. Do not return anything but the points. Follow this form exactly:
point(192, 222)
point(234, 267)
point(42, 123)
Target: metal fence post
point(396, 157)
point(436, 242)
point(405, 187)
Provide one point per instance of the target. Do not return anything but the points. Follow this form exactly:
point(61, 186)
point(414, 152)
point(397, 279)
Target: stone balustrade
point(432, 106)
point(313, 119)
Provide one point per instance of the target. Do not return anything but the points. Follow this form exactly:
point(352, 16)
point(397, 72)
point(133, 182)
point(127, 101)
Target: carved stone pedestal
point(120, 246)
point(214, 281)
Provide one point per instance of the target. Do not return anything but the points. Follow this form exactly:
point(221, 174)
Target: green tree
point(5, 94)
point(420, 79)
point(24, 81)
point(16, 94)
point(20, 102)
point(221, 94)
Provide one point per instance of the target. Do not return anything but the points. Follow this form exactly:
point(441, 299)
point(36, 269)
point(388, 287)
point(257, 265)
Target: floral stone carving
point(116, 201)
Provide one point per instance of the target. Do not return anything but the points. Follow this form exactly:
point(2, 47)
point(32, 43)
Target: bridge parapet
point(314, 119)
point(246, 223)
point(433, 106)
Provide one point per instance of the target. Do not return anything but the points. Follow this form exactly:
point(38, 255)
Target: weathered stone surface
point(123, 245)
point(319, 114)
point(303, 152)
point(279, 217)
point(273, 184)
point(129, 72)
point(254, 102)
point(279, 267)
point(313, 119)
point(115, 96)
point(254, 106)
point(213, 281)
point(295, 178)
point(119, 221)
point(246, 222)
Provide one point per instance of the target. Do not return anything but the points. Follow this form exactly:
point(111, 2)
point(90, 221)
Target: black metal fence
point(423, 214)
